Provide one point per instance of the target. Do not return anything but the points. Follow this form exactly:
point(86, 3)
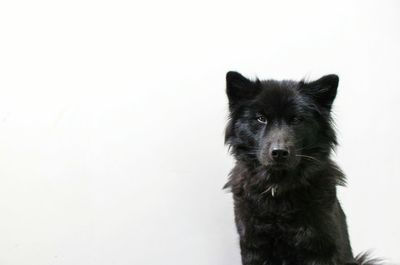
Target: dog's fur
point(286, 213)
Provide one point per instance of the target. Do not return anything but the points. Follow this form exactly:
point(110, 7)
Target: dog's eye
point(296, 119)
point(261, 119)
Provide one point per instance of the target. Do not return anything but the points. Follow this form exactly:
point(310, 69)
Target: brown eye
point(261, 119)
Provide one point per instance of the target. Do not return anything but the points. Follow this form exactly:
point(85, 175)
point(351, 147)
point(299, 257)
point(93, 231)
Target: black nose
point(280, 154)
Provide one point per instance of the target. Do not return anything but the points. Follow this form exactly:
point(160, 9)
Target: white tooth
point(273, 192)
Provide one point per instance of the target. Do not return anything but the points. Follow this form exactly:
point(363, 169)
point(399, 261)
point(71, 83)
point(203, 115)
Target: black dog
point(284, 182)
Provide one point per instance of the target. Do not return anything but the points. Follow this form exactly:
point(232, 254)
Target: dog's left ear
point(323, 90)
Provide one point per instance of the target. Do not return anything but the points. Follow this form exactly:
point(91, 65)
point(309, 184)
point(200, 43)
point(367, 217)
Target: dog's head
point(280, 124)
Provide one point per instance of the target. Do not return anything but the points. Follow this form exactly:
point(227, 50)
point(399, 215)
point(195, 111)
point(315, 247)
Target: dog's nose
point(279, 154)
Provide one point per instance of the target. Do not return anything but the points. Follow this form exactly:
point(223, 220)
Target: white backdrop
point(112, 117)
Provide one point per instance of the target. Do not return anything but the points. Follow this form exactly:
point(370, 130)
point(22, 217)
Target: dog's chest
point(269, 222)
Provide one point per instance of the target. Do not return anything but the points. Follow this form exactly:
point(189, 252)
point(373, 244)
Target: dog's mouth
point(280, 165)
point(287, 165)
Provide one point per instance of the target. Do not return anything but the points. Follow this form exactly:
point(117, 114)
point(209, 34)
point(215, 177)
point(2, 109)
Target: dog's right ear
point(323, 90)
point(239, 88)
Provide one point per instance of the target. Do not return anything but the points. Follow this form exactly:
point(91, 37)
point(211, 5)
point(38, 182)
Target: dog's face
point(280, 124)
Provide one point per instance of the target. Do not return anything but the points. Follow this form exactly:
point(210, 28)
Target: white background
point(112, 118)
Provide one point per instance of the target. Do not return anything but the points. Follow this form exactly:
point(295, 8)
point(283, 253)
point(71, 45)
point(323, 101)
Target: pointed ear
point(323, 90)
point(239, 87)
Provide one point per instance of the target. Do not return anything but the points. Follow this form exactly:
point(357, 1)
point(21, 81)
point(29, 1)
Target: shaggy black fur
point(284, 182)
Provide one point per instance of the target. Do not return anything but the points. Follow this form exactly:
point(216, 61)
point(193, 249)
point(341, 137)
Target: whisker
point(304, 147)
point(309, 157)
